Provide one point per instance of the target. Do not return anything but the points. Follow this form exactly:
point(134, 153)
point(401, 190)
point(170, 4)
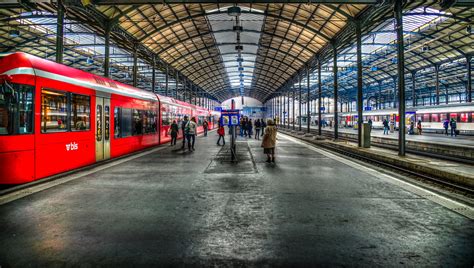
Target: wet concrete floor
point(195, 208)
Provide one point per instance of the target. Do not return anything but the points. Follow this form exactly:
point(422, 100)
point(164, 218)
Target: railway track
point(395, 148)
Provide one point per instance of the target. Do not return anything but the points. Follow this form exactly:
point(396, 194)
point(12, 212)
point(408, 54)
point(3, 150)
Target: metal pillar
point(135, 66)
point(320, 95)
point(446, 94)
point(107, 51)
point(177, 83)
point(153, 74)
point(413, 88)
point(308, 112)
point(60, 33)
point(359, 85)
point(288, 110)
point(293, 106)
point(336, 119)
point(166, 81)
point(401, 77)
point(437, 83)
point(299, 103)
point(469, 79)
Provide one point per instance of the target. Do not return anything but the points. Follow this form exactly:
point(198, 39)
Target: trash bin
point(366, 129)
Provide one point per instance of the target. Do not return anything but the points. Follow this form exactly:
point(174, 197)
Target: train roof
point(23, 63)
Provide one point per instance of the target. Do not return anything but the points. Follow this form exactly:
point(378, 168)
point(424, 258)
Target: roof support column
point(469, 79)
point(135, 66)
point(401, 77)
point(299, 103)
point(437, 83)
point(167, 81)
point(288, 108)
point(308, 97)
point(281, 106)
point(413, 88)
point(336, 119)
point(107, 51)
point(320, 95)
point(293, 106)
point(194, 89)
point(177, 83)
point(359, 84)
point(153, 74)
point(60, 33)
point(380, 95)
point(446, 94)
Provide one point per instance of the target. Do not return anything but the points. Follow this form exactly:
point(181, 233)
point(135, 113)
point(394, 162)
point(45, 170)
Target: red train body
point(55, 118)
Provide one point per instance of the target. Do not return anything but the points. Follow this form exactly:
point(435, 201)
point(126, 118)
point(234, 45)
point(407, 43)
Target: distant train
point(55, 118)
point(431, 118)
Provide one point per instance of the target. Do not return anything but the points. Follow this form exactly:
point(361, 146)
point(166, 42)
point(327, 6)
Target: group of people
point(247, 126)
point(189, 130)
point(411, 130)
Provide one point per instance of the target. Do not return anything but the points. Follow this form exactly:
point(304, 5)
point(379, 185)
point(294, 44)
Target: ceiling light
point(14, 33)
point(233, 11)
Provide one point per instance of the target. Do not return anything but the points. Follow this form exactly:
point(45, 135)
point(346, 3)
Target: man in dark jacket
point(183, 126)
point(453, 127)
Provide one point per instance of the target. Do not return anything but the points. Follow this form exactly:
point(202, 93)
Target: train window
point(16, 109)
point(165, 118)
point(464, 117)
point(80, 112)
point(435, 118)
point(426, 118)
point(53, 111)
point(126, 123)
point(453, 116)
point(137, 122)
point(149, 122)
point(117, 122)
point(443, 117)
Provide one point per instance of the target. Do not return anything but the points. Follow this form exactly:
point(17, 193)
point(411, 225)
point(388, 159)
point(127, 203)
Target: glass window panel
point(137, 126)
point(435, 118)
point(117, 122)
point(53, 111)
point(80, 112)
point(464, 117)
point(16, 109)
point(126, 122)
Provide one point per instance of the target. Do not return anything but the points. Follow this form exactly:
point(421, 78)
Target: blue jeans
point(385, 130)
point(191, 139)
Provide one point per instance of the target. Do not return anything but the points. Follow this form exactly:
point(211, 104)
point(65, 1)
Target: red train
point(54, 118)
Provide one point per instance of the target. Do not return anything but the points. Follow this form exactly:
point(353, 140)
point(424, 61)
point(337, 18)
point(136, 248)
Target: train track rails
point(464, 190)
point(408, 150)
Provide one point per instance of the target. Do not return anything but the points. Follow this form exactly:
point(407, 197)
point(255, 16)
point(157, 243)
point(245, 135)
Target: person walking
point(241, 127)
point(191, 127)
point(221, 133)
point(257, 129)
point(418, 126)
point(453, 125)
point(370, 123)
point(205, 125)
point(174, 129)
point(385, 126)
point(269, 141)
point(183, 129)
point(446, 126)
point(249, 128)
point(262, 126)
point(411, 130)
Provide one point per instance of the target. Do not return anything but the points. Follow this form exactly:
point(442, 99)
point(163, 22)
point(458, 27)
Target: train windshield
point(16, 109)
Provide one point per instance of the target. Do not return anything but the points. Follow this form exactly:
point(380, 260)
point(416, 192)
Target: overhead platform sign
point(230, 117)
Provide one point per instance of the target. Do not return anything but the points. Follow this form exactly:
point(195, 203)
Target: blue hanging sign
point(230, 117)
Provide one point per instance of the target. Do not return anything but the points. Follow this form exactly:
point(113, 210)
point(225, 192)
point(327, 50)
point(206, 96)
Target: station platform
point(171, 207)
point(460, 140)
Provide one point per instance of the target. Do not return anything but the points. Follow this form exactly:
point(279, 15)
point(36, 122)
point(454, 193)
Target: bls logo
point(72, 146)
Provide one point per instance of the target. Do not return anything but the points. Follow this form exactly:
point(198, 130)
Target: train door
point(102, 129)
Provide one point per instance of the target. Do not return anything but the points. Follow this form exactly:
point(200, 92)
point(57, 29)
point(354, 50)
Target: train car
point(55, 118)
point(431, 118)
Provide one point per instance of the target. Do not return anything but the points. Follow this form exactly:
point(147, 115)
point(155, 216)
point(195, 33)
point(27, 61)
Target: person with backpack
point(190, 131)
point(221, 133)
point(385, 127)
point(257, 129)
point(269, 141)
point(183, 129)
point(205, 125)
point(174, 129)
point(446, 126)
point(453, 125)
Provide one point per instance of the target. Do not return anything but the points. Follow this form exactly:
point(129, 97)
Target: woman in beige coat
point(269, 141)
